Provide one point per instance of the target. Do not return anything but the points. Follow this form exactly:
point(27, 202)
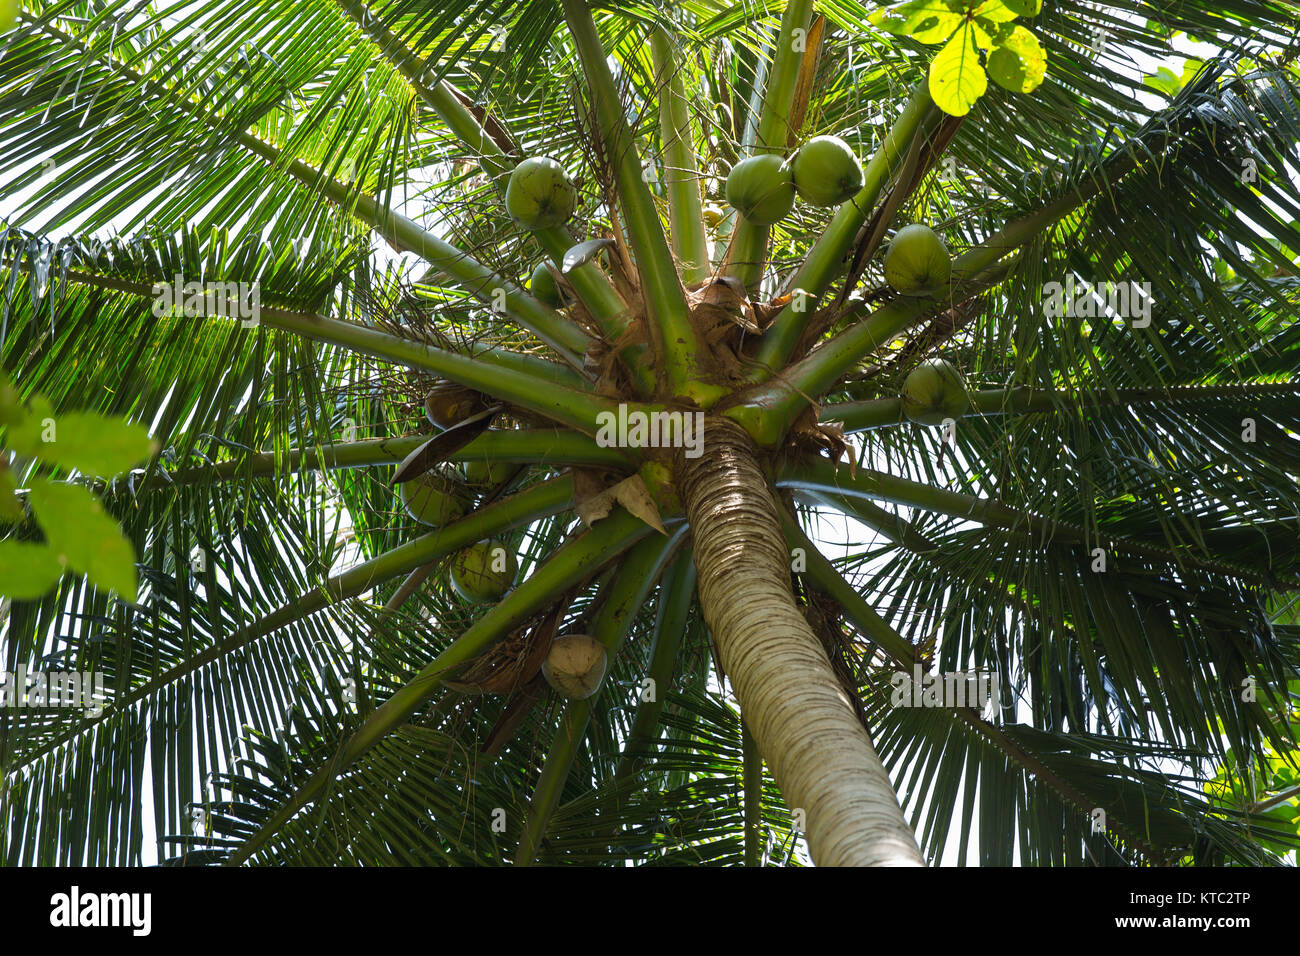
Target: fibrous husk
point(575, 665)
point(512, 662)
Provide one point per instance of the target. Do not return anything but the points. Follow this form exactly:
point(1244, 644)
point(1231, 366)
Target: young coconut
point(761, 189)
point(543, 286)
point(575, 665)
point(484, 572)
point(826, 173)
point(482, 471)
point(450, 404)
point(917, 262)
point(433, 499)
point(934, 391)
point(540, 194)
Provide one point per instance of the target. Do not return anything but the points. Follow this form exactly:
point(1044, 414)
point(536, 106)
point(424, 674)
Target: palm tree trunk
point(805, 727)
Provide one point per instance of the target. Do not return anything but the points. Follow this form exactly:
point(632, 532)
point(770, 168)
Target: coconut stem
point(823, 576)
point(564, 568)
point(626, 592)
point(681, 175)
point(539, 501)
point(747, 253)
point(1022, 400)
point(683, 358)
point(822, 475)
point(592, 286)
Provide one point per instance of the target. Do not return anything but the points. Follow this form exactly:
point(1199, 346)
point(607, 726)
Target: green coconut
point(826, 172)
point(434, 499)
point(575, 665)
point(934, 391)
point(483, 471)
point(917, 262)
point(543, 286)
point(761, 189)
point(484, 572)
point(540, 194)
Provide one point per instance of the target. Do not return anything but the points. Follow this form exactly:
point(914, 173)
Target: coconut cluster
point(540, 195)
point(484, 572)
point(823, 172)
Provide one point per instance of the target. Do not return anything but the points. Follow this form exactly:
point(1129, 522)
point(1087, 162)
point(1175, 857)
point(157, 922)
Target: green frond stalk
point(578, 410)
point(571, 564)
point(889, 524)
point(823, 576)
point(973, 272)
point(535, 446)
point(1022, 400)
point(441, 97)
point(768, 410)
point(540, 501)
point(625, 593)
point(507, 382)
point(682, 356)
point(568, 341)
point(748, 251)
point(676, 597)
point(822, 475)
point(681, 172)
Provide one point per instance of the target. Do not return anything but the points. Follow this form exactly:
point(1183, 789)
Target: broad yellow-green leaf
point(95, 444)
point(929, 21)
point(84, 537)
point(1025, 8)
point(11, 409)
point(1168, 82)
point(956, 78)
point(1019, 63)
point(995, 11)
point(11, 509)
point(8, 14)
point(27, 569)
point(34, 428)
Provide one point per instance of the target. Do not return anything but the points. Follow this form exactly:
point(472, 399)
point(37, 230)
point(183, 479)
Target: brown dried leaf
point(631, 493)
point(445, 444)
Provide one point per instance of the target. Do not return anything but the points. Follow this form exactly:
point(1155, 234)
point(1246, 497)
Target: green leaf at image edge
point(96, 445)
point(11, 509)
point(1024, 8)
point(1019, 62)
point(83, 535)
point(27, 570)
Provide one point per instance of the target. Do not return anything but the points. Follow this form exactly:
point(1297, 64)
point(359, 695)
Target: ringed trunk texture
point(804, 725)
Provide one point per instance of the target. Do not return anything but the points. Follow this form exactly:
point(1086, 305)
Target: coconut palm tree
point(1102, 515)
